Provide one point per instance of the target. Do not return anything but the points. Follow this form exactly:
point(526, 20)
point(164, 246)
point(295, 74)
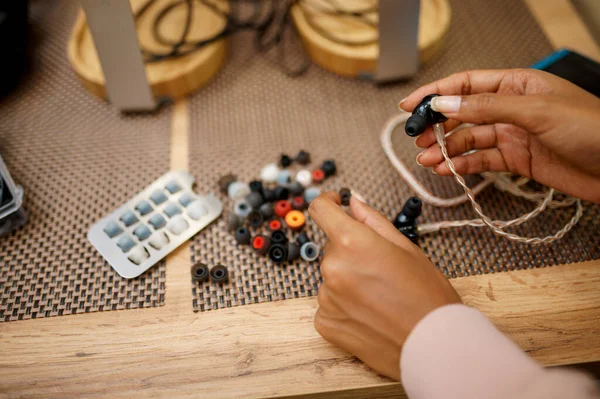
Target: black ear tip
point(412, 208)
point(415, 125)
point(415, 202)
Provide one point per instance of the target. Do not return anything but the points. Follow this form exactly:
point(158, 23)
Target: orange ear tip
point(295, 220)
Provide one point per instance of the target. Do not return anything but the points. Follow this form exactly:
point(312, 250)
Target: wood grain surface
point(173, 78)
point(353, 60)
point(272, 349)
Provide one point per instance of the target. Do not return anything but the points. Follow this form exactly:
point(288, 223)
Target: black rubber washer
point(278, 253)
point(219, 274)
point(200, 272)
point(278, 237)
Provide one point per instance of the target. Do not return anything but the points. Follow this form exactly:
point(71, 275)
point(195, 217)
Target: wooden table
point(272, 349)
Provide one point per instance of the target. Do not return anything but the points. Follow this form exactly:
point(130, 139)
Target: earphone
point(423, 115)
point(415, 124)
point(406, 220)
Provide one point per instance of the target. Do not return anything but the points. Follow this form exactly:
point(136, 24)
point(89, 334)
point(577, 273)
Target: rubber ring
point(279, 237)
point(274, 225)
point(318, 175)
point(219, 274)
point(298, 203)
point(200, 272)
point(310, 251)
point(282, 208)
point(295, 220)
point(261, 244)
point(278, 253)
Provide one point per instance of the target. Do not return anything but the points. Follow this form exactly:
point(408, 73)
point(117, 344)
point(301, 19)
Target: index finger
point(462, 83)
point(327, 213)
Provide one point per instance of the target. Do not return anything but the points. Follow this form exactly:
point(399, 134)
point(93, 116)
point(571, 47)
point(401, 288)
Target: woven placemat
point(252, 112)
point(77, 158)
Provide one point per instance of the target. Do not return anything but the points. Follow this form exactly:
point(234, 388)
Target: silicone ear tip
point(412, 208)
point(242, 236)
point(293, 251)
point(415, 205)
point(278, 253)
point(415, 125)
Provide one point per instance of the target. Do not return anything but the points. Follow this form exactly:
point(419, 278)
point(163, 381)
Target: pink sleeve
point(456, 352)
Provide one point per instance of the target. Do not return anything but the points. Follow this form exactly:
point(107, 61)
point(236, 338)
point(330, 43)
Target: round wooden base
point(355, 60)
point(172, 78)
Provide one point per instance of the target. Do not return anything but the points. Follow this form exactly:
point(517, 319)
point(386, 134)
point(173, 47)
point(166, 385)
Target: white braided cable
point(498, 226)
point(425, 195)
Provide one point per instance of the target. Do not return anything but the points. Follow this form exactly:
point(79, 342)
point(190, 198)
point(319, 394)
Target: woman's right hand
point(531, 123)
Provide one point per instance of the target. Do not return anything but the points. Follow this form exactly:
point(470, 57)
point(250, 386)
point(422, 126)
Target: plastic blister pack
point(134, 237)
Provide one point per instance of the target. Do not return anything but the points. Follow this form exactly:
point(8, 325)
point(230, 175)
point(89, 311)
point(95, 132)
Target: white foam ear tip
point(238, 190)
point(269, 173)
point(304, 177)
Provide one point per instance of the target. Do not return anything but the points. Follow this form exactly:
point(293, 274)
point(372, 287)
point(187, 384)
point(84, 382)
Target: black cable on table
point(269, 20)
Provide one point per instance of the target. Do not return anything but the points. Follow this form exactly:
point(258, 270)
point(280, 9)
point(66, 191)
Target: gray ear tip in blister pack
point(164, 215)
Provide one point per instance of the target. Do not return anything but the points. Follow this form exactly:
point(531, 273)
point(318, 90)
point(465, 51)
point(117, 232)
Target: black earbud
point(406, 220)
point(422, 117)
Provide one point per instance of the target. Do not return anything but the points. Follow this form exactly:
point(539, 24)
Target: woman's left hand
point(377, 285)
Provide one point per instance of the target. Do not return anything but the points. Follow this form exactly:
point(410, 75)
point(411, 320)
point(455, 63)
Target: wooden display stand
point(355, 60)
point(172, 78)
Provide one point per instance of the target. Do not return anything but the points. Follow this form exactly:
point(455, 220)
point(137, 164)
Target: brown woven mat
point(77, 159)
point(252, 112)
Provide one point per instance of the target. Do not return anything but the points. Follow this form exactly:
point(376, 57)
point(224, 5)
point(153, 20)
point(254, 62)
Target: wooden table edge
point(32, 371)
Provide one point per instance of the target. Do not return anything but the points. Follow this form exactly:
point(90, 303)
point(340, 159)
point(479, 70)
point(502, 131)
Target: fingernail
point(358, 197)
point(433, 171)
point(400, 103)
point(417, 159)
point(446, 104)
point(416, 145)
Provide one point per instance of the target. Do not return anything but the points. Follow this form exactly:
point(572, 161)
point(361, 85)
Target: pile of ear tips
point(278, 199)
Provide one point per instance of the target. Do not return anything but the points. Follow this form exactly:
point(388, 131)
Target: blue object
point(158, 197)
point(173, 187)
point(112, 229)
point(284, 178)
point(142, 232)
point(186, 199)
point(157, 221)
point(128, 218)
point(171, 210)
point(551, 59)
point(143, 207)
point(125, 243)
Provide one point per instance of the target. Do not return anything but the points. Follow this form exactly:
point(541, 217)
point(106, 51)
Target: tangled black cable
point(269, 20)
point(334, 9)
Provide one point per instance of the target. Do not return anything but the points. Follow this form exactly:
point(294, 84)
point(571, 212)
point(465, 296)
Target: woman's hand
point(377, 285)
point(531, 123)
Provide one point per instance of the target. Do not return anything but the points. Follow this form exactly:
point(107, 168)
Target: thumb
point(531, 113)
point(378, 223)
